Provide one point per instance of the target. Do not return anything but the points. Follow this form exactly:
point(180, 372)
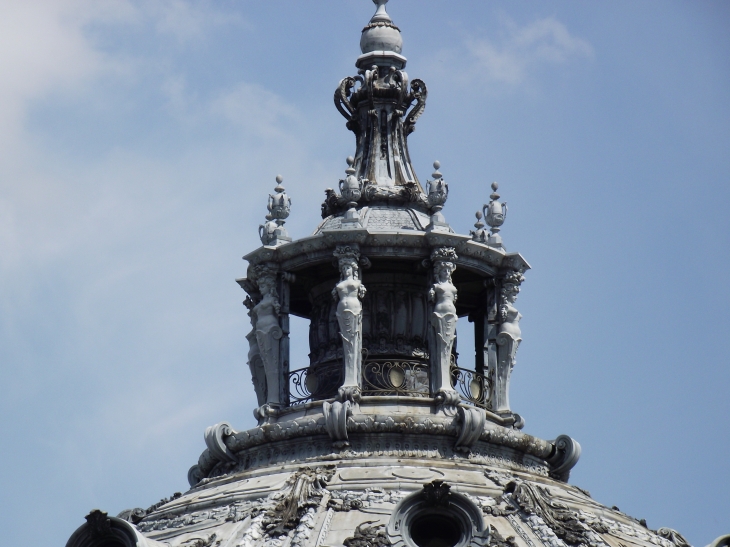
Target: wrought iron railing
point(474, 388)
point(395, 377)
point(386, 377)
point(314, 383)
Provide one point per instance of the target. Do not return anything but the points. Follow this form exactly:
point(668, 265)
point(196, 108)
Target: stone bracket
point(215, 441)
point(564, 457)
point(472, 421)
point(335, 419)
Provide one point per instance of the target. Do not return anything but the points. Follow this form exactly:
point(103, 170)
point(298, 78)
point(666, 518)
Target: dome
point(388, 437)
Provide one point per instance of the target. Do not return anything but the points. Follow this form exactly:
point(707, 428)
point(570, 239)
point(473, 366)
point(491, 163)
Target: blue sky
point(138, 144)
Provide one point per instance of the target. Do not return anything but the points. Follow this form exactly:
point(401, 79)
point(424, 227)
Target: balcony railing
point(395, 377)
point(388, 377)
point(474, 388)
point(314, 383)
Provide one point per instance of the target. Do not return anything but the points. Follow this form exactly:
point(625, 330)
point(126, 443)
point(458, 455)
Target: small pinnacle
point(350, 169)
point(279, 188)
point(478, 214)
point(436, 174)
point(495, 186)
point(437, 165)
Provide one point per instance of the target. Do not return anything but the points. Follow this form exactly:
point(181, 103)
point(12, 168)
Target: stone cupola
point(388, 436)
point(399, 275)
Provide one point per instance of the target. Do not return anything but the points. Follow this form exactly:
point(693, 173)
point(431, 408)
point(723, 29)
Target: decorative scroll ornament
point(508, 339)
point(472, 425)
point(273, 233)
point(215, 436)
point(443, 322)
point(438, 193)
point(367, 535)
point(335, 419)
point(675, 537)
point(564, 458)
point(563, 521)
point(304, 489)
point(348, 293)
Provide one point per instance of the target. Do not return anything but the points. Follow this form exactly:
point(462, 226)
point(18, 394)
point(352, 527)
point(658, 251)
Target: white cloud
point(519, 50)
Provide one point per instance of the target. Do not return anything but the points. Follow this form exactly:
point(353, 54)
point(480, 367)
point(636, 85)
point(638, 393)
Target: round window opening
point(435, 531)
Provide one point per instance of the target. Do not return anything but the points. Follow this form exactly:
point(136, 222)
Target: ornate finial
point(381, 42)
point(351, 190)
point(494, 194)
point(495, 214)
point(438, 192)
point(273, 232)
point(480, 234)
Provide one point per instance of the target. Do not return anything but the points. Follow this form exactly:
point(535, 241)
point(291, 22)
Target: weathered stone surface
point(388, 438)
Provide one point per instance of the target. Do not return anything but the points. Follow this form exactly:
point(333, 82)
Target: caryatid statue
point(348, 293)
point(255, 363)
point(268, 332)
point(508, 339)
point(443, 323)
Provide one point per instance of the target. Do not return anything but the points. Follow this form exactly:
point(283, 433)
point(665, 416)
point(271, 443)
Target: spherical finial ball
point(279, 179)
point(350, 160)
point(437, 165)
point(478, 214)
point(495, 186)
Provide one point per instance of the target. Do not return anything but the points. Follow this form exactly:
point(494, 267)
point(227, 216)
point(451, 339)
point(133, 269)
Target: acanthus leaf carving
point(565, 523)
point(368, 534)
point(304, 489)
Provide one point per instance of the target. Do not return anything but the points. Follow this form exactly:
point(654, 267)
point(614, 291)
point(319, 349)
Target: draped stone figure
point(268, 333)
point(508, 339)
point(443, 323)
point(348, 293)
point(255, 363)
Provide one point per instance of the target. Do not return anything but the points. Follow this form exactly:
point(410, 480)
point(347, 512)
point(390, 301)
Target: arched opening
point(434, 530)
